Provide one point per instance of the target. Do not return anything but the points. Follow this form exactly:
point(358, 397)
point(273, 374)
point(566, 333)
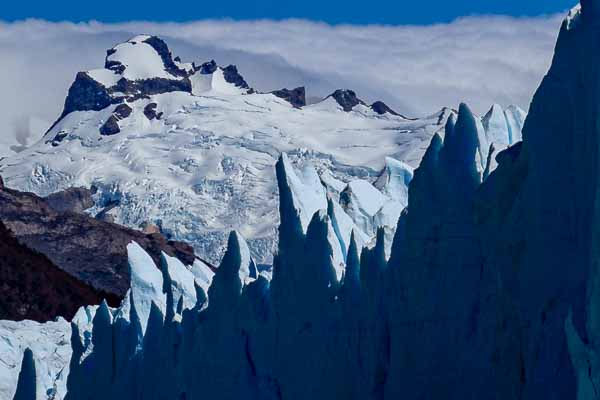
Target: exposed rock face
point(296, 97)
point(346, 99)
point(165, 54)
point(149, 228)
point(90, 250)
point(122, 111)
point(208, 67)
point(34, 288)
point(73, 199)
point(150, 112)
point(110, 127)
point(381, 108)
point(86, 94)
point(57, 139)
point(232, 75)
point(142, 88)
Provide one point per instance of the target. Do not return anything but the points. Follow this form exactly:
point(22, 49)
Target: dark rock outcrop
point(34, 288)
point(122, 111)
point(208, 67)
point(232, 76)
point(85, 94)
point(347, 99)
point(110, 127)
point(58, 138)
point(381, 108)
point(150, 112)
point(88, 249)
point(73, 199)
point(165, 54)
point(296, 97)
point(143, 88)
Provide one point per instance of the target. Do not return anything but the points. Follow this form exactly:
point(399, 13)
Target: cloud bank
point(415, 69)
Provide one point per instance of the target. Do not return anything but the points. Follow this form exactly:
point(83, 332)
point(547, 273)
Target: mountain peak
point(141, 57)
point(296, 97)
point(141, 67)
point(208, 67)
point(346, 98)
point(381, 108)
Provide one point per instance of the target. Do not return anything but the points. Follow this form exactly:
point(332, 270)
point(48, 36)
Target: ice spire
point(201, 297)
point(430, 159)
point(449, 128)
point(146, 283)
point(102, 339)
point(152, 378)
point(319, 272)
point(352, 275)
point(461, 149)
point(226, 285)
point(373, 263)
point(74, 380)
point(26, 386)
point(290, 228)
point(247, 266)
point(351, 286)
point(178, 283)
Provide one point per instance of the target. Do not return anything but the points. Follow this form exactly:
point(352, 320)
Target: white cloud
point(416, 69)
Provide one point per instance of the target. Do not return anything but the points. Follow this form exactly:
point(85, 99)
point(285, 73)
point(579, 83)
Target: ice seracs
point(26, 386)
point(146, 283)
point(51, 351)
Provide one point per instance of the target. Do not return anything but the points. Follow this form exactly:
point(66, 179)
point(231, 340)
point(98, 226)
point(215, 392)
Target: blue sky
point(392, 12)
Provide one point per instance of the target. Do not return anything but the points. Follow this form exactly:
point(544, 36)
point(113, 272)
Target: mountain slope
point(165, 141)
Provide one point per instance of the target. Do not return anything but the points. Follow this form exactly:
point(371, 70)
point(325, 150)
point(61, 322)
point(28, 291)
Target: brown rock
point(36, 289)
point(90, 250)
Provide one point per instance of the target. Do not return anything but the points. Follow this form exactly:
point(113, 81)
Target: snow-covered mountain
point(191, 149)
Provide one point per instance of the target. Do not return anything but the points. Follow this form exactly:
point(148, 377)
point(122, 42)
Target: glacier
point(456, 258)
point(191, 148)
point(237, 339)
